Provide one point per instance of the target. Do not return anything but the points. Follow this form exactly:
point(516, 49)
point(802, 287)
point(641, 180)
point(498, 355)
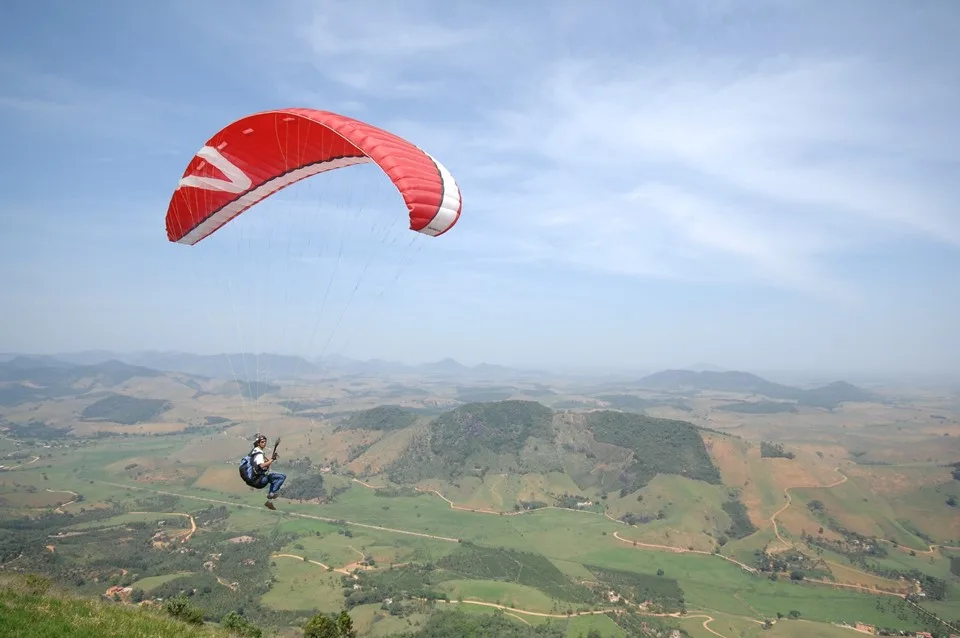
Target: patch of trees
point(255, 389)
point(476, 428)
point(396, 583)
point(210, 515)
point(448, 623)
point(397, 492)
point(358, 450)
point(37, 430)
point(790, 562)
point(300, 464)
point(497, 563)
point(14, 394)
point(769, 450)
point(529, 505)
point(635, 403)
point(237, 625)
point(641, 625)
point(27, 535)
point(305, 488)
point(481, 394)
point(501, 427)
point(834, 394)
point(570, 500)
point(181, 609)
point(659, 446)
point(641, 519)
point(123, 409)
point(330, 626)
point(908, 611)
point(759, 407)
point(740, 524)
point(385, 417)
point(662, 592)
point(300, 406)
point(853, 545)
point(933, 588)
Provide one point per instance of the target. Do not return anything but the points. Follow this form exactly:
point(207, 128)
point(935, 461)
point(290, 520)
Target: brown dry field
point(17, 496)
point(762, 481)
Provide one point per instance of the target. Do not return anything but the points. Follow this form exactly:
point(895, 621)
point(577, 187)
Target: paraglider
point(257, 156)
point(255, 469)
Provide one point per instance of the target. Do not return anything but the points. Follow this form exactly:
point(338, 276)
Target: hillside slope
point(604, 450)
point(26, 602)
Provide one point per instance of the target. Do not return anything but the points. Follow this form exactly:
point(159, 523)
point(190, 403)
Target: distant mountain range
point(827, 396)
point(27, 379)
point(66, 368)
point(266, 366)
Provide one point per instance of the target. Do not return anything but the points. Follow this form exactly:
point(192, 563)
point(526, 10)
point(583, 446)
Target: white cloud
point(642, 150)
point(778, 163)
point(60, 104)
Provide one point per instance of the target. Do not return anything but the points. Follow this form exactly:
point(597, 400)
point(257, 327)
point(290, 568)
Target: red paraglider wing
point(258, 155)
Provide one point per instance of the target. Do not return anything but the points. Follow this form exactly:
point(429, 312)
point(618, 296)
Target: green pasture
point(152, 582)
point(299, 585)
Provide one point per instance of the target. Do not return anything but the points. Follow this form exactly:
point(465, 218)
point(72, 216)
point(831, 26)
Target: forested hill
point(526, 437)
point(828, 396)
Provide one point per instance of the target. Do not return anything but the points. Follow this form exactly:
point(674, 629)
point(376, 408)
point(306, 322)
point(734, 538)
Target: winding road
point(59, 509)
point(786, 492)
point(13, 467)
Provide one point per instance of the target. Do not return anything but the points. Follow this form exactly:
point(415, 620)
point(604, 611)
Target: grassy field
point(152, 582)
point(693, 516)
point(507, 594)
point(370, 620)
point(300, 585)
point(582, 625)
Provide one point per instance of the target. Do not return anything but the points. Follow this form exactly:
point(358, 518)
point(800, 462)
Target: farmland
point(550, 519)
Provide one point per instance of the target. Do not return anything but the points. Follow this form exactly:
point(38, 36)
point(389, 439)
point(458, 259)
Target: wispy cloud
point(671, 162)
point(53, 103)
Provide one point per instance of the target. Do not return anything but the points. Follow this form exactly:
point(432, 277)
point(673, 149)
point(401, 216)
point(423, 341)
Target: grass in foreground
point(27, 611)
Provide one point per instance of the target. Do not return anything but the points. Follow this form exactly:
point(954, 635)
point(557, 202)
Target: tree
point(324, 626)
point(240, 626)
point(345, 625)
point(794, 614)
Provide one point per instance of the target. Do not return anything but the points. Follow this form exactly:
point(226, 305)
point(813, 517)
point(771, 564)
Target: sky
point(758, 184)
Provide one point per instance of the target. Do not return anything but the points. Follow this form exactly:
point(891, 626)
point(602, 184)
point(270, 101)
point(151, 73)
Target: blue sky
point(762, 184)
